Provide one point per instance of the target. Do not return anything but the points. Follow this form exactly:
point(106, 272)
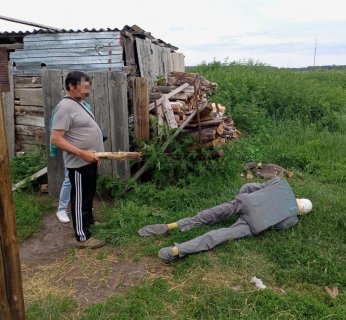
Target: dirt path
point(51, 264)
point(49, 244)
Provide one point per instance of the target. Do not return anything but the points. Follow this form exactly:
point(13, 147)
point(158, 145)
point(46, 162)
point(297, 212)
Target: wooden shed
point(27, 60)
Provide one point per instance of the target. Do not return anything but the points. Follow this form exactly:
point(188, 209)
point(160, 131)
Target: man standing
point(76, 132)
point(259, 207)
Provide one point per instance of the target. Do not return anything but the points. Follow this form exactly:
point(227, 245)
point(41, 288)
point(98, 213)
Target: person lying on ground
point(259, 207)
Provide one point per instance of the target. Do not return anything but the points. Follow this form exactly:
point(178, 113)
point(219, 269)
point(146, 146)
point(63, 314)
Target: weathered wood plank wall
point(109, 100)
point(157, 62)
point(28, 112)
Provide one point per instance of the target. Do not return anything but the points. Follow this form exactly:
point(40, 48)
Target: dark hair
point(75, 78)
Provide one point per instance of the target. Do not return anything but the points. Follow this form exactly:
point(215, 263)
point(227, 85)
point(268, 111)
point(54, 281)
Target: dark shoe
point(166, 254)
point(91, 243)
point(152, 230)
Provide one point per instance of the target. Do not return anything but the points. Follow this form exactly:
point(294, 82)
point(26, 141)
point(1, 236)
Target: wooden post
point(8, 105)
point(196, 92)
point(11, 299)
point(119, 117)
point(99, 100)
point(52, 86)
point(140, 109)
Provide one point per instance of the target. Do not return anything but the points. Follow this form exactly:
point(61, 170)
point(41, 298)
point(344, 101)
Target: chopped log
point(229, 121)
point(182, 96)
point(168, 111)
point(189, 89)
point(236, 133)
point(206, 134)
point(208, 110)
point(168, 95)
point(163, 89)
point(168, 89)
point(177, 78)
point(216, 121)
point(177, 107)
point(220, 129)
point(120, 155)
point(221, 108)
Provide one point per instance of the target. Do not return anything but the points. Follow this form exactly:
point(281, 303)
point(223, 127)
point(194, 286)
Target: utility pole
point(315, 50)
point(11, 291)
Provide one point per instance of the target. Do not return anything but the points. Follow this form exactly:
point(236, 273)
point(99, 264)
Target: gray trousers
point(209, 240)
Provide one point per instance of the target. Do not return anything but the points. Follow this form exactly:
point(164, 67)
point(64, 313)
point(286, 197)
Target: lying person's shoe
point(152, 230)
point(166, 254)
point(62, 216)
point(91, 243)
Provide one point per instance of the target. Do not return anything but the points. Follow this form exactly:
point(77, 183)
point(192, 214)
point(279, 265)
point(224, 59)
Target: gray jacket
point(268, 205)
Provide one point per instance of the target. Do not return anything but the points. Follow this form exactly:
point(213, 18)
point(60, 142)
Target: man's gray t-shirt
point(80, 128)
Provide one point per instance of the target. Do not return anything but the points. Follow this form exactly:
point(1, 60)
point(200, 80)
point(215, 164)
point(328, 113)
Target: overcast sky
point(280, 33)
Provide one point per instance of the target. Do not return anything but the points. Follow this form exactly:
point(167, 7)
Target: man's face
point(82, 89)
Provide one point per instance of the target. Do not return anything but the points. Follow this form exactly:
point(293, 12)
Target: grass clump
point(27, 164)
point(30, 209)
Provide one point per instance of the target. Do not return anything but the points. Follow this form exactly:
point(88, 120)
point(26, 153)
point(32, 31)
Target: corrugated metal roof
point(71, 50)
point(36, 31)
point(134, 30)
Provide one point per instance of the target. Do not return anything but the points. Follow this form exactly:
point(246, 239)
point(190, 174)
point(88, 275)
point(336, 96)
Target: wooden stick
point(120, 155)
point(196, 87)
point(31, 178)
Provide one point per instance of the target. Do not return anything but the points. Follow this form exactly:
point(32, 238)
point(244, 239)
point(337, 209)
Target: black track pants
point(83, 182)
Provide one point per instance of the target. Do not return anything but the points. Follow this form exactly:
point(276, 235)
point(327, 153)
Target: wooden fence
point(108, 96)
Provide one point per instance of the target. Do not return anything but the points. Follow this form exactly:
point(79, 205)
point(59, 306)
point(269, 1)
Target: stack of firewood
point(182, 103)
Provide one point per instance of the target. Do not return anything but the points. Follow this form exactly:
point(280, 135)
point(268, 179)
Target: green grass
point(51, 307)
point(29, 210)
point(293, 119)
point(30, 162)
